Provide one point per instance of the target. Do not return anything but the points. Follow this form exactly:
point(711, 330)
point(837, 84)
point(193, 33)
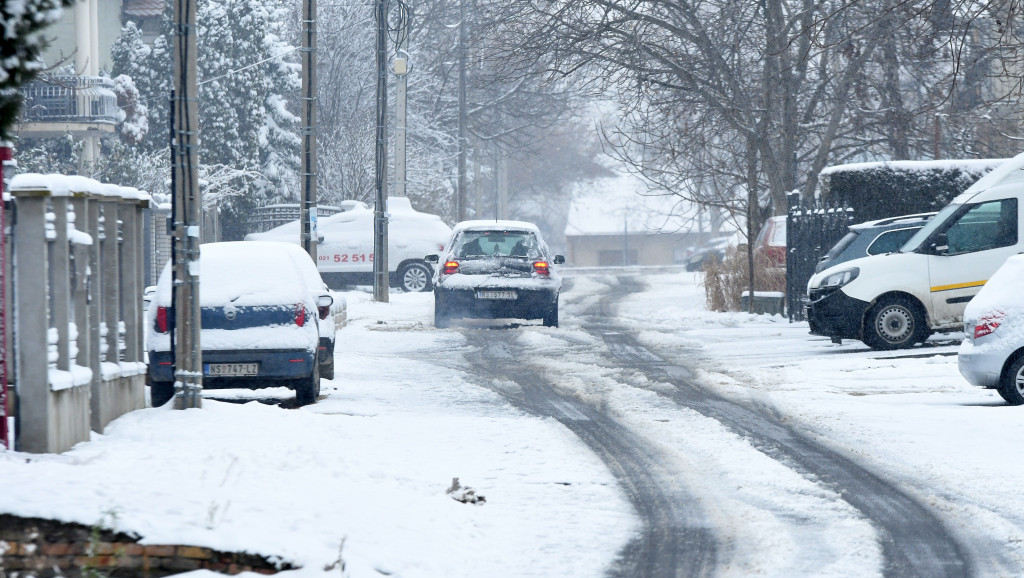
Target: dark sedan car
point(496, 270)
point(873, 238)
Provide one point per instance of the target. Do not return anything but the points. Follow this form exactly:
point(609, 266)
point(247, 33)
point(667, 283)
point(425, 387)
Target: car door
point(968, 252)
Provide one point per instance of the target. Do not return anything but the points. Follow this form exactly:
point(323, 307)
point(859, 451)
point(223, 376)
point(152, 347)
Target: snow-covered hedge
point(887, 189)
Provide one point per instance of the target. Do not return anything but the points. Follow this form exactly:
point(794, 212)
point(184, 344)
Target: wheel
point(327, 369)
point(160, 392)
point(308, 388)
point(551, 317)
point(441, 318)
point(1011, 385)
point(415, 277)
point(894, 323)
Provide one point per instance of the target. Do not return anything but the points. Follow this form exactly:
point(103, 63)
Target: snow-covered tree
point(21, 25)
point(248, 83)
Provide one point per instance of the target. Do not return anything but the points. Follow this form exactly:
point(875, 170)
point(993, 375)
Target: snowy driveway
point(570, 434)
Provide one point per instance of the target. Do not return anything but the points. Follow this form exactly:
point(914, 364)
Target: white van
point(895, 300)
point(345, 248)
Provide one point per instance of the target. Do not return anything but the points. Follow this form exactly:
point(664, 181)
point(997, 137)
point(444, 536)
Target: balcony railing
point(87, 99)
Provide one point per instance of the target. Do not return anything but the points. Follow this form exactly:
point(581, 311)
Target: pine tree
point(23, 42)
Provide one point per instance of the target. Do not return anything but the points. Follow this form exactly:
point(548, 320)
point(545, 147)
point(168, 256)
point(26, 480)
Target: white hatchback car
point(992, 355)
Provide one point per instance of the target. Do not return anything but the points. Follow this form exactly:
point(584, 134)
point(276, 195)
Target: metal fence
point(811, 230)
point(270, 216)
point(70, 99)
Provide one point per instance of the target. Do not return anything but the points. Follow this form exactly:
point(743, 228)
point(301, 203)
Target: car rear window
point(483, 244)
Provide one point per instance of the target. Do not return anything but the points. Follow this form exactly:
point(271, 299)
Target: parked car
point(895, 300)
point(873, 238)
point(496, 270)
point(345, 245)
point(771, 241)
point(992, 355)
point(715, 249)
point(266, 321)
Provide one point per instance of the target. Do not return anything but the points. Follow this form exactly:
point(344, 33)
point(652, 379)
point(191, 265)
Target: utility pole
point(460, 194)
point(308, 209)
point(187, 205)
point(401, 70)
point(380, 219)
point(6, 419)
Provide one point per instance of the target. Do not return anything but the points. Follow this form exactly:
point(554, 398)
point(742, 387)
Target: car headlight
point(839, 278)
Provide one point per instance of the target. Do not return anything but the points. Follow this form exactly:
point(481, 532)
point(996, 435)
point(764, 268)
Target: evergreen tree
point(23, 41)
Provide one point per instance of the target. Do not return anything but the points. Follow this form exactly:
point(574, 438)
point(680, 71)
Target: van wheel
point(894, 323)
point(1011, 385)
point(415, 277)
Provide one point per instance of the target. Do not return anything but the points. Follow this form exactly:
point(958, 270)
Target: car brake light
point(988, 324)
point(542, 268)
point(300, 314)
point(324, 312)
point(451, 267)
point(161, 319)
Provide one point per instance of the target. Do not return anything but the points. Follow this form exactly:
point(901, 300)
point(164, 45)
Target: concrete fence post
point(78, 268)
point(31, 325)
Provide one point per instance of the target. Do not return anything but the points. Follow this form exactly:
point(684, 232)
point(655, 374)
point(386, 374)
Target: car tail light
point(542, 268)
point(451, 267)
point(161, 319)
point(323, 311)
point(300, 314)
point(988, 324)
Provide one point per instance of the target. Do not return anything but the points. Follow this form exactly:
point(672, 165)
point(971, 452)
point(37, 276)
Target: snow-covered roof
point(624, 202)
point(969, 165)
point(72, 185)
point(490, 225)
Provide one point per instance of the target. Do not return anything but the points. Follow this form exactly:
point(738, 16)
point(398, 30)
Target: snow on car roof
point(1001, 292)
point(915, 219)
point(495, 224)
point(244, 273)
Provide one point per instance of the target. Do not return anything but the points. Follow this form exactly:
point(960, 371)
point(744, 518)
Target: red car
point(771, 241)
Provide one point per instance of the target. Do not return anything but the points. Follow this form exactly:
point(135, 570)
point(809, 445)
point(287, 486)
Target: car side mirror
point(432, 258)
point(323, 305)
point(941, 244)
point(558, 260)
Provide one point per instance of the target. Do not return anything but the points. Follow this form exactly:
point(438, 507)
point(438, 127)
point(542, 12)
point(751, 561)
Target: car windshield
point(481, 244)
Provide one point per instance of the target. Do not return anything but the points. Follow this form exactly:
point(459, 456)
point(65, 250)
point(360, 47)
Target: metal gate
point(811, 230)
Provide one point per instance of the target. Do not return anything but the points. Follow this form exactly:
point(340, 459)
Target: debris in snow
point(466, 495)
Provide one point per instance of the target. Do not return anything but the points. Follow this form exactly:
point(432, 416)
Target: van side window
point(985, 226)
point(891, 241)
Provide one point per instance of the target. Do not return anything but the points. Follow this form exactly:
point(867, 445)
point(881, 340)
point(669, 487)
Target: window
point(497, 243)
point(891, 241)
point(983, 226)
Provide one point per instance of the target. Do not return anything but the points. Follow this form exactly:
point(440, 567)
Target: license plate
point(231, 369)
point(510, 295)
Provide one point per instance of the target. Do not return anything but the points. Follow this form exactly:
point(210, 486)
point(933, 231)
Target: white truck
point(345, 247)
point(895, 300)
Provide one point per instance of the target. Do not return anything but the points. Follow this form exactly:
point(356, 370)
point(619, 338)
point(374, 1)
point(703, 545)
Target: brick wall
point(47, 548)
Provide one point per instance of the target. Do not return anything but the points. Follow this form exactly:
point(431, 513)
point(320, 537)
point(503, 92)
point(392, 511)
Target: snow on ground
point(370, 462)
point(908, 414)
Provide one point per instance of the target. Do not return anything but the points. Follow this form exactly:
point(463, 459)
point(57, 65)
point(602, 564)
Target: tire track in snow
point(915, 542)
point(675, 540)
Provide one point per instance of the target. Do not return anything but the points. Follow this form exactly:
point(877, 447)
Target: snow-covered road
point(413, 407)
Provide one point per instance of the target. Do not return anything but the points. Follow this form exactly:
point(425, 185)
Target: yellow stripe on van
point(967, 285)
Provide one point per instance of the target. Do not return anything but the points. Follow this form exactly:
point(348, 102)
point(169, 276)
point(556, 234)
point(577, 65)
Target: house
point(82, 103)
point(618, 221)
